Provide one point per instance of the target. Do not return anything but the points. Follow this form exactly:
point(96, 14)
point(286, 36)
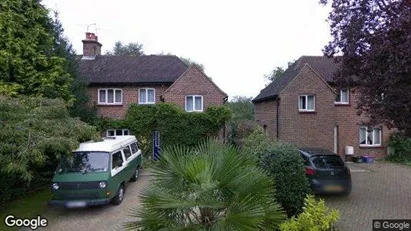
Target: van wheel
point(119, 196)
point(135, 175)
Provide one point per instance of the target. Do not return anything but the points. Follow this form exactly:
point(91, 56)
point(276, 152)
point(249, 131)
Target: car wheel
point(134, 178)
point(119, 196)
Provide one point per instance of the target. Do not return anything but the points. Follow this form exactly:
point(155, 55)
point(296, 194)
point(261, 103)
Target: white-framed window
point(117, 132)
point(146, 96)
point(194, 103)
point(343, 97)
point(110, 96)
point(306, 103)
point(370, 136)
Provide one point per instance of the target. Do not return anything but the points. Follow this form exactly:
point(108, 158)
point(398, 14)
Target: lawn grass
point(28, 207)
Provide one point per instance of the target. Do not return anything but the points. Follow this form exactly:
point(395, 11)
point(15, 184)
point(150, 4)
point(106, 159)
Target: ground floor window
point(370, 136)
point(117, 132)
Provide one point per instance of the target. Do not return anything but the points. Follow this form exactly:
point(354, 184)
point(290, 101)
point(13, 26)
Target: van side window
point(127, 152)
point(134, 148)
point(117, 158)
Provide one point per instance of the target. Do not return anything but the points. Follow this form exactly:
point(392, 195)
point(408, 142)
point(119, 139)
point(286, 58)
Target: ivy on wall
point(174, 124)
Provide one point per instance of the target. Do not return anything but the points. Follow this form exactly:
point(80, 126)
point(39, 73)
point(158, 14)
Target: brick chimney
point(91, 46)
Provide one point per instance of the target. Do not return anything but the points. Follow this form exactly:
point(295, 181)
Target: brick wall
point(130, 96)
point(266, 115)
point(307, 129)
point(349, 124)
point(194, 82)
point(317, 129)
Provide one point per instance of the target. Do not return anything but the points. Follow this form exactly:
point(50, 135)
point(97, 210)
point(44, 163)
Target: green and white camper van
point(98, 173)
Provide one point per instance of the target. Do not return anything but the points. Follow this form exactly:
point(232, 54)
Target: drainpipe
point(277, 116)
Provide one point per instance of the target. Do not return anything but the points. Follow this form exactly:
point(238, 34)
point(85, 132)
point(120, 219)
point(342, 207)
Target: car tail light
point(309, 171)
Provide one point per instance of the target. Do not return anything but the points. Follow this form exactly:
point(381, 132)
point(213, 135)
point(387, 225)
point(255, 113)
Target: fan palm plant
point(209, 187)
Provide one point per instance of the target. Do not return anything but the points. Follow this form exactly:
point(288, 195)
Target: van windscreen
point(85, 162)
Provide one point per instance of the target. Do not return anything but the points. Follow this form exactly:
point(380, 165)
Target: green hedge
point(401, 148)
point(174, 124)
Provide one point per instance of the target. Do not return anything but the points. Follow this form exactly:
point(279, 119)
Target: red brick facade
point(319, 128)
point(192, 82)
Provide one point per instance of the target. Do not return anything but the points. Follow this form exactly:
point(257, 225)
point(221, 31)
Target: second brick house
point(116, 82)
point(305, 108)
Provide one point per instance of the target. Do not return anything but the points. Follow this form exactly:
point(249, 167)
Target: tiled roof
point(324, 66)
point(131, 69)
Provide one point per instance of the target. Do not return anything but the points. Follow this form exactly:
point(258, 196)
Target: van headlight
point(55, 186)
point(103, 184)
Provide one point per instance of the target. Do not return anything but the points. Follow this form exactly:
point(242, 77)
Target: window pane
point(102, 98)
point(344, 96)
point(302, 103)
point(310, 103)
point(116, 158)
point(119, 132)
point(118, 96)
point(363, 134)
point(189, 103)
point(142, 97)
point(134, 147)
point(110, 133)
point(150, 96)
point(126, 132)
point(127, 152)
point(338, 97)
point(369, 136)
point(377, 133)
point(198, 103)
point(110, 96)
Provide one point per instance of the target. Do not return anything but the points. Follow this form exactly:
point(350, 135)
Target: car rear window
point(327, 161)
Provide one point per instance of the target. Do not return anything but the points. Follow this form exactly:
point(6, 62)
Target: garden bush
point(174, 124)
point(401, 148)
point(316, 217)
point(283, 163)
point(256, 144)
point(207, 187)
point(34, 134)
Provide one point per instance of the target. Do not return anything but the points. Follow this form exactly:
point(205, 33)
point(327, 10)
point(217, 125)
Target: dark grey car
point(326, 171)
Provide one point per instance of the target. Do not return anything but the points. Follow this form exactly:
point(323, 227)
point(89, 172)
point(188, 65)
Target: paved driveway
point(108, 217)
point(382, 192)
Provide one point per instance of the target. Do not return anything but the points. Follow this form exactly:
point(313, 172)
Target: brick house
point(116, 82)
point(303, 107)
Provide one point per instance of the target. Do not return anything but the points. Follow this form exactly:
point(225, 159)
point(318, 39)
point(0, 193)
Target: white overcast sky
point(237, 41)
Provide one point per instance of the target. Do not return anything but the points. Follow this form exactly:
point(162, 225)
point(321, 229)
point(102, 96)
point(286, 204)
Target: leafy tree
point(373, 37)
point(28, 61)
point(242, 108)
point(209, 187)
point(277, 72)
point(80, 107)
point(34, 134)
point(131, 49)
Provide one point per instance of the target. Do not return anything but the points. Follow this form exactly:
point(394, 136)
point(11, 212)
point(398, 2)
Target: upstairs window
point(370, 136)
point(343, 97)
point(146, 96)
point(194, 103)
point(306, 103)
point(110, 96)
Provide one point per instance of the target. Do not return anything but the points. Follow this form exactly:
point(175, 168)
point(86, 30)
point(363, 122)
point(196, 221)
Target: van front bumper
point(79, 203)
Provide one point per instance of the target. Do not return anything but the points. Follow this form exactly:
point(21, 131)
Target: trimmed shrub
point(401, 147)
point(283, 163)
point(316, 216)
